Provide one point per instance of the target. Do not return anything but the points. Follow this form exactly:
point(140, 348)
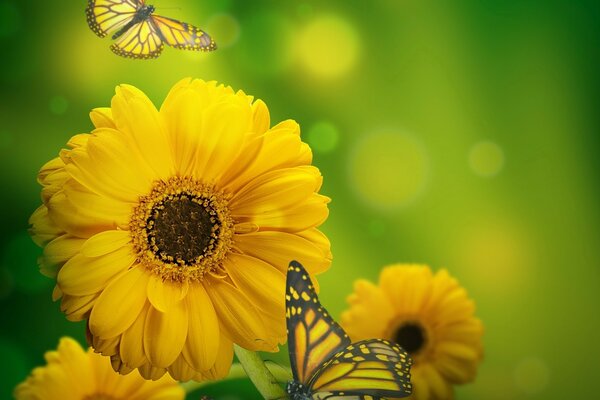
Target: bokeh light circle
point(10, 19)
point(532, 375)
point(224, 29)
point(58, 105)
point(323, 137)
point(328, 46)
point(388, 169)
point(486, 158)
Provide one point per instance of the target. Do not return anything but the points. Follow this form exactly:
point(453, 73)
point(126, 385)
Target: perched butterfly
point(325, 364)
point(140, 34)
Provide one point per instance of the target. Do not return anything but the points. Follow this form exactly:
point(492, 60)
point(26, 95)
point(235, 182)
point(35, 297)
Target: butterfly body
point(298, 391)
point(141, 14)
point(141, 34)
point(326, 365)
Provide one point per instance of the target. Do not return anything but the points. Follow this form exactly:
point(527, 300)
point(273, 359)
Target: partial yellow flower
point(171, 230)
point(430, 316)
point(74, 374)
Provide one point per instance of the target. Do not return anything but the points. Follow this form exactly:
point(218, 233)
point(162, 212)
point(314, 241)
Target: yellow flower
point(72, 373)
point(430, 316)
point(171, 230)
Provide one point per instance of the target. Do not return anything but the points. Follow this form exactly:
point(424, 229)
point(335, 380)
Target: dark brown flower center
point(411, 337)
point(182, 228)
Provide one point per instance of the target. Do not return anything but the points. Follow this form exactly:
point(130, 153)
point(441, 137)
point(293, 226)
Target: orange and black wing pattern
point(181, 35)
point(106, 16)
point(141, 41)
point(325, 364)
point(313, 336)
point(372, 368)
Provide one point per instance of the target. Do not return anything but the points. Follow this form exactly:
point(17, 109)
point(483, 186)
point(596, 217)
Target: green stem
point(281, 374)
point(259, 374)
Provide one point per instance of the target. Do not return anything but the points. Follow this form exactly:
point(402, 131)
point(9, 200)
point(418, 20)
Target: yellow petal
point(223, 362)
point(307, 215)
point(105, 242)
point(137, 117)
point(319, 239)
point(275, 190)
point(262, 283)
point(368, 304)
point(119, 304)
point(150, 372)
point(421, 389)
point(165, 294)
point(106, 347)
point(131, 349)
point(407, 287)
point(455, 370)
point(102, 118)
point(98, 207)
point(181, 370)
point(75, 362)
point(236, 169)
point(78, 307)
point(165, 334)
point(202, 342)
point(222, 136)
point(282, 148)
point(84, 275)
point(82, 169)
point(113, 154)
point(164, 388)
point(43, 229)
point(57, 252)
point(440, 389)
point(239, 318)
point(75, 220)
point(261, 117)
point(183, 115)
point(279, 248)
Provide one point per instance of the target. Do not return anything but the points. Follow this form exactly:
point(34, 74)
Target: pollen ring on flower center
point(182, 229)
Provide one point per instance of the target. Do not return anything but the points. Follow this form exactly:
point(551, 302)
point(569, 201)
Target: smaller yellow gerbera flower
point(430, 316)
point(72, 373)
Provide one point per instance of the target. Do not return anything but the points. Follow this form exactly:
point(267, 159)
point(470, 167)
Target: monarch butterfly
point(325, 364)
point(140, 34)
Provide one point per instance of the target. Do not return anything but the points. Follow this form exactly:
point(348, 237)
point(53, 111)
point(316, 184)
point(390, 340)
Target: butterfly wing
point(182, 35)
point(141, 41)
point(375, 368)
point(313, 336)
point(343, 396)
point(105, 16)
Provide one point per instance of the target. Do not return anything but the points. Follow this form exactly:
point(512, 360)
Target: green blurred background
point(459, 134)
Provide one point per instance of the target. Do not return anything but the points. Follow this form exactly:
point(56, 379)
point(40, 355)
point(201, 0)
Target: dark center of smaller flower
point(411, 336)
point(182, 228)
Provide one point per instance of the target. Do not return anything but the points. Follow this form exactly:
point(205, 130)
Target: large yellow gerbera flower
point(430, 316)
point(74, 374)
point(171, 230)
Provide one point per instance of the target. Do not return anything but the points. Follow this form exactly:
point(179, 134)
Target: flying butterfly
point(138, 33)
point(325, 364)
